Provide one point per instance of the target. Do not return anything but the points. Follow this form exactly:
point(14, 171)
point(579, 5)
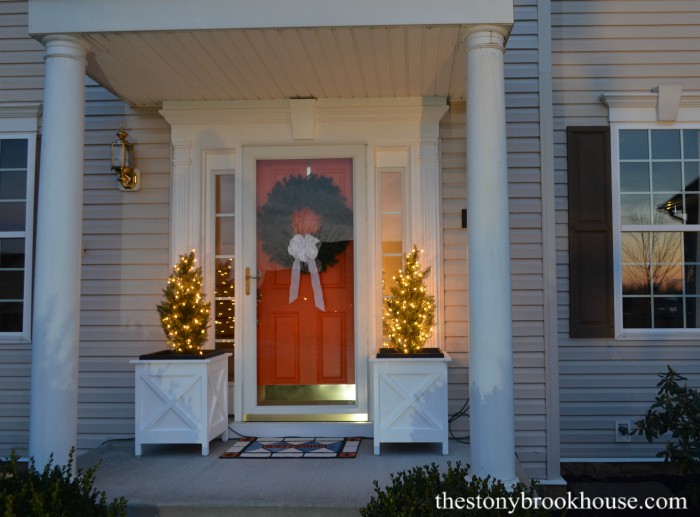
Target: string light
point(184, 311)
point(409, 313)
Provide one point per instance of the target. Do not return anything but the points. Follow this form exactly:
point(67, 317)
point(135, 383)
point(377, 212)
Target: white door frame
point(247, 330)
point(395, 133)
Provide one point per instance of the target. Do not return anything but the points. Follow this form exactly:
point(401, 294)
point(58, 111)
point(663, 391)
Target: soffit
point(146, 68)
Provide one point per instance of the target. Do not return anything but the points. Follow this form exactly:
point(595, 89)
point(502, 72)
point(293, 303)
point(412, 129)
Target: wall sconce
point(122, 163)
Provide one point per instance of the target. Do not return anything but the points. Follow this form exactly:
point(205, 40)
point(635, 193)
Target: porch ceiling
point(147, 67)
point(150, 51)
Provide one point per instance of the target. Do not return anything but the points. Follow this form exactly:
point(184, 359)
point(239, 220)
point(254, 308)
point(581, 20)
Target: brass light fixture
point(122, 162)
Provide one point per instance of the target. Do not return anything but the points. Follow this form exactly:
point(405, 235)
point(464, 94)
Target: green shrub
point(54, 492)
point(413, 493)
point(676, 410)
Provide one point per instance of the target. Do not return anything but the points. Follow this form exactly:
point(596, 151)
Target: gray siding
point(125, 264)
point(612, 46)
point(21, 80)
point(522, 104)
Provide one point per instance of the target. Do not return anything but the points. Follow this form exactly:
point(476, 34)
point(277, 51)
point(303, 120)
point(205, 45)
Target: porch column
point(492, 426)
point(55, 329)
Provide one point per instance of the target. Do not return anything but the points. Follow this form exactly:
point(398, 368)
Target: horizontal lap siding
point(612, 46)
point(525, 207)
point(21, 81)
point(125, 264)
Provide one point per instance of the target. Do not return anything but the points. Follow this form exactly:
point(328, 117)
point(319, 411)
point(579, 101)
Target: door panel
point(300, 345)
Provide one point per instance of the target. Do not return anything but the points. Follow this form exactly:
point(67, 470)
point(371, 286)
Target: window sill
point(658, 335)
point(19, 339)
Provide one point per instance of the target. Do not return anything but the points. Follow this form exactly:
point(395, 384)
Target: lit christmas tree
point(410, 313)
point(184, 312)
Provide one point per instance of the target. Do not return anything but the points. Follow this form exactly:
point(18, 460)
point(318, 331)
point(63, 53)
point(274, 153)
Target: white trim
point(612, 460)
point(76, 16)
point(631, 107)
point(549, 255)
point(248, 327)
point(620, 332)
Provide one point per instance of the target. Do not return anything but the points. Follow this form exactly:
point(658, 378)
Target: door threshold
point(310, 429)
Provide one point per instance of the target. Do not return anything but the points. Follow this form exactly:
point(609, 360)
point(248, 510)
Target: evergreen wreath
point(297, 194)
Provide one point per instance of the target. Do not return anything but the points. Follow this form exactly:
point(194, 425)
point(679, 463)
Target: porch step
point(240, 511)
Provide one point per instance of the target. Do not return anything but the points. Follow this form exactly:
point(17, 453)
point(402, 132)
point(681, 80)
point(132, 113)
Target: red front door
point(305, 334)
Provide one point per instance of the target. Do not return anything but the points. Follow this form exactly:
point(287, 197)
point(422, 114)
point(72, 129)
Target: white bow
point(303, 249)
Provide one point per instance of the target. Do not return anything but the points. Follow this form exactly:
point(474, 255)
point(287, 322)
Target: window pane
point(669, 209)
point(691, 176)
point(634, 144)
point(11, 285)
point(11, 316)
point(224, 287)
point(635, 209)
point(391, 192)
point(13, 154)
point(636, 313)
point(225, 320)
point(636, 247)
point(692, 281)
point(636, 279)
point(665, 144)
point(11, 253)
point(391, 230)
point(12, 216)
point(13, 184)
point(225, 194)
point(690, 144)
point(668, 312)
point(666, 177)
point(692, 314)
point(390, 266)
point(225, 236)
point(667, 248)
point(634, 177)
point(668, 279)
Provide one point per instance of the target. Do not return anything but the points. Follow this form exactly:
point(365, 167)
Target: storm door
point(304, 281)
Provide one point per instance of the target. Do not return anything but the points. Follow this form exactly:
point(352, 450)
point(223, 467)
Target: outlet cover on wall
point(623, 428)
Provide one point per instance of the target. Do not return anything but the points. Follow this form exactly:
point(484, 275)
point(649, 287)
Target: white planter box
point(181, 401)
point(410, 400)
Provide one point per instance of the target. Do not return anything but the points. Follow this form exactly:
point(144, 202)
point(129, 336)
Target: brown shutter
point(590, 233)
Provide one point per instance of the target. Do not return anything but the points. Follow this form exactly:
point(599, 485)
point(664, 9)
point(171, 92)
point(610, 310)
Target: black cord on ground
point(118, 440)
point(237, 433)
point(463, 411)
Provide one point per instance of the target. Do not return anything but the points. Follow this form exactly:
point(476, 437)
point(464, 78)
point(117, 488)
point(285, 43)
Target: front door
point(305, 344)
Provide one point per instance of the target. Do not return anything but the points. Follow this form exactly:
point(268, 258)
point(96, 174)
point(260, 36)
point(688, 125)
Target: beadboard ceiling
point(146, 68)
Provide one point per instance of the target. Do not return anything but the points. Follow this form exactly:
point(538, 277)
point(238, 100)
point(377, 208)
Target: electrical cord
point(463, 411)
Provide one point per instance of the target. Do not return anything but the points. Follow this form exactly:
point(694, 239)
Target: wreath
point(301, 205)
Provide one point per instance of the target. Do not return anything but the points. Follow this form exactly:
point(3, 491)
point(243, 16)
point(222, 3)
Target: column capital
point(63, 45)
point(485, 36)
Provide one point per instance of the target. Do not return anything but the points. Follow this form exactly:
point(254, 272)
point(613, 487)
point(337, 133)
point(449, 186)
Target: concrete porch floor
point(175, 480)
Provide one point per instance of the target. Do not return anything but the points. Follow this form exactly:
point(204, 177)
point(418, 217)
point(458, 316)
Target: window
point(16, 225)
point(391, 227)
point(224, 293)
point(656, 189)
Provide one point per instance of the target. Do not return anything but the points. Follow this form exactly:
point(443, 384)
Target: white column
point(491, 417)
point(55, 330)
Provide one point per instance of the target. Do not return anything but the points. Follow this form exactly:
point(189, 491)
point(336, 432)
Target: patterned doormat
point(292, 447)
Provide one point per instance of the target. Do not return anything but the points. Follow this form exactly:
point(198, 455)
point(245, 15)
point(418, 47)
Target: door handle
point(248, 276)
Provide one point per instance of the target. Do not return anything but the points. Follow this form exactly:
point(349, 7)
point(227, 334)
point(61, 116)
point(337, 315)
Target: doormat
point(293, 447)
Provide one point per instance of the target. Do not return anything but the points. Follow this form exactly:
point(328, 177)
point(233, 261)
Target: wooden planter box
point(409, 401)
point(181, 400)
